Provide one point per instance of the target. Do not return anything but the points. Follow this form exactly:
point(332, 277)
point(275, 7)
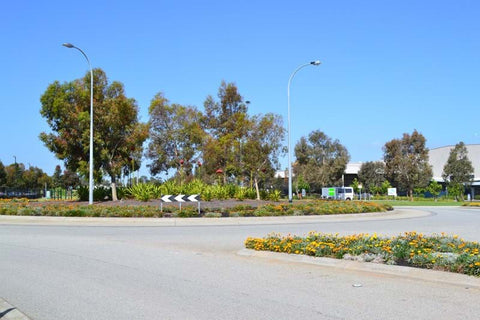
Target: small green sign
point(331, 192)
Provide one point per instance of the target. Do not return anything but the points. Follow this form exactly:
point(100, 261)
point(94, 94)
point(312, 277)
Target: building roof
point(353, 167)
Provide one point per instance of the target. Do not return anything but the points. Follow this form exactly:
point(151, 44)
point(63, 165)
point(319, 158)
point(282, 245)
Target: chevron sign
point(180, 198)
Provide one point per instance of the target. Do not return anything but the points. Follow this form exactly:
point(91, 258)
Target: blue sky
point(388, 67)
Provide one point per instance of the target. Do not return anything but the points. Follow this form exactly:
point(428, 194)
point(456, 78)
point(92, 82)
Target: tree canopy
point(118, 133)
point(176, 137)
point(321, 161)
point(262, 147)
point(458, 170)
point(223, 141)
point(17, 176)
point(372, 175)
point(406, 162)
point(227, 123)
point(3, 175)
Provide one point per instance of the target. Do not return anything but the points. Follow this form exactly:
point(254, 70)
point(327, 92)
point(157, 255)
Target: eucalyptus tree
point(227, 124)
point(3, 175)
point(320, 160)
point(118, 133)
point(406, 162)
point(372, 175)
point(262, 147)
point(176, 137)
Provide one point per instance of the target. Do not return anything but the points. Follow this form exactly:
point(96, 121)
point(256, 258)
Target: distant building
point(351, 172)
point(438, 158)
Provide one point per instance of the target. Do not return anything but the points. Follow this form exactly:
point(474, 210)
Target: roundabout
point(96, 268)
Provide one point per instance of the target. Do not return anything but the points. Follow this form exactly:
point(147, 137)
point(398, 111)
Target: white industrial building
point(438, 158)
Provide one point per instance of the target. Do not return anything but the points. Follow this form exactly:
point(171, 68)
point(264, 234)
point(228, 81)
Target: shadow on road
point(4, 313)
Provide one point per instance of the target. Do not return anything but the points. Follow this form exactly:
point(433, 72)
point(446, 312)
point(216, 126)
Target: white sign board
point(392, 192)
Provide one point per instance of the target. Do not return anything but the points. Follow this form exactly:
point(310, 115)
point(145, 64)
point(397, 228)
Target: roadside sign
point(331, 192)
point(169, 198)
point(392, 192)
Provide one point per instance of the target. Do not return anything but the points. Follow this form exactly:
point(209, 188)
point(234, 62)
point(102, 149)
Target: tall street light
point(90, 174)
point(313, 63)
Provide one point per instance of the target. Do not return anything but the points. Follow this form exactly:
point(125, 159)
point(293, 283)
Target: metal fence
point(60, 194)
point(6, 192)
point(55, 194)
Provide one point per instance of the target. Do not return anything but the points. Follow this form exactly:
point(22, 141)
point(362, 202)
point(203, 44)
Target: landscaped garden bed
point(438, 252)
point(227, 209)
point(471, 204)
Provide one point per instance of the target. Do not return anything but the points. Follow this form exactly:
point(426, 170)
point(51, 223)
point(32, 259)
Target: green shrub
point(219, 192)
point(170, 187)
point(251, 194)
point(241, 194)
point(100, 193)
point(207, 194)
point(241, 211)
point(213, 215)
point(263, 194)
point(187, 212)
point(82, 192)
point(231, 190)
point(195, 186)
point(274, 195)
point(144, 191)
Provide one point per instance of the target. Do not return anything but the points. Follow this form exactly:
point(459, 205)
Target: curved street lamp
point(90, 174)
point(313, 63)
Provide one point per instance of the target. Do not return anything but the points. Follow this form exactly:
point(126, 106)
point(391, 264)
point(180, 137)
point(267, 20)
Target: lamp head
point(315, 63)
point(68, 45)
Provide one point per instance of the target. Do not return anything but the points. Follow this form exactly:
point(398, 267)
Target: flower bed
point(439, 252)
point(27, 208)
point(471, 204)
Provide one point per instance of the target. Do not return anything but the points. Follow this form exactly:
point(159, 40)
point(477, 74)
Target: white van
point(338, 193)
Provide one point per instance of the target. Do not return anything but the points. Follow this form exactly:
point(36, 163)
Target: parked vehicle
point(338, 193)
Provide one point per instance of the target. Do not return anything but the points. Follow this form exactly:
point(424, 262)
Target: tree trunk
point(114, 189)
point(410, 193)
point(256, 188)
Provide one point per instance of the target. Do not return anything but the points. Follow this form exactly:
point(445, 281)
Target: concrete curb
point(9, 312)
point(369, 267)
point(169, 222)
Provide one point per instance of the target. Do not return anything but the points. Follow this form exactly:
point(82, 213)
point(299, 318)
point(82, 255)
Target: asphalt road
point(191, 269)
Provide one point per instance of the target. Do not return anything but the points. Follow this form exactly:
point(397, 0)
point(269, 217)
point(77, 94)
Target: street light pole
point(313, 63)
point(90, 174)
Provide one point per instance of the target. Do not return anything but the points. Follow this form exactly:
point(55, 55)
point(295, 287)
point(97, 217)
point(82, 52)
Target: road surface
point(120, 269)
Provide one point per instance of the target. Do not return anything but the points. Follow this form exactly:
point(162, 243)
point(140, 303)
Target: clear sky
point(388, 67)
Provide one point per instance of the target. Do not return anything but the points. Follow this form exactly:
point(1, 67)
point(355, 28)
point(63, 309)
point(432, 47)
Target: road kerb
point(369, 267)
point(177, 222)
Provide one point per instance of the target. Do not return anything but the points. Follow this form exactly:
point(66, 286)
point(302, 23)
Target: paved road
point(64, 269)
